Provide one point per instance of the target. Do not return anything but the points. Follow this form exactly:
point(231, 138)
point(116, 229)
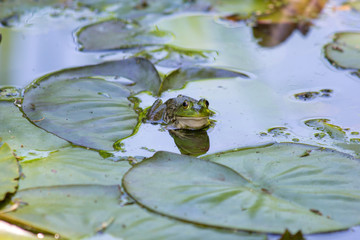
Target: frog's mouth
point(191, 122)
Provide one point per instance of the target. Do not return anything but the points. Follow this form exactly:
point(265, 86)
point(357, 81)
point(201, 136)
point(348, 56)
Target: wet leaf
point(332, 130)
point(180, 77)
point(266, 189)
point(89, 112)
point(9, 171)
point(344, 51)
point(119, 34)
point(23, 136)
point(78, 211)
point(72, 166)
point(174, 57)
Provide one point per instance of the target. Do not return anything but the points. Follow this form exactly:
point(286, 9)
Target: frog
point(182, 112)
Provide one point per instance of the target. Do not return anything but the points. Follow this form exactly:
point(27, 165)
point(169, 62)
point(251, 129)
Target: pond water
point(247, 109)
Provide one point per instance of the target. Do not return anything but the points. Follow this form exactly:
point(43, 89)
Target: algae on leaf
point(265, 189)
point(9, 171)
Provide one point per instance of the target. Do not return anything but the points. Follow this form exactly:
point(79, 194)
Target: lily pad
point(89, 112)
point(179, 78)
point(9, 171)
point(79, 211)
point(23, 136)
point(265, 189)
point(136, 74)
point(119, 34)
point(71, 166)
point(344, 51)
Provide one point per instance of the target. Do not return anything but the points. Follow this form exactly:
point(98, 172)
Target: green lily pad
point(265, 189)
point(79, 211)
point(9, 171)
point(89, 112)
point(71, 166)
point(179, 78)
point(136, 74)
point(23, 136)
point(119, 34)
point(344, 51)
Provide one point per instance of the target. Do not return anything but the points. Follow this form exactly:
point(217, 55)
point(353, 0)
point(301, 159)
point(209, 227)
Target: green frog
point(181, 112)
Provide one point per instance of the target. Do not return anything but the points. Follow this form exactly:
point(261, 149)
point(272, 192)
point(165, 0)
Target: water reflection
point(190, 142)
point(275, 28)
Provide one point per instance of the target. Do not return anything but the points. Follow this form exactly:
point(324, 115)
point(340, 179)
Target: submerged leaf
point(180, 77)
point(265, 189)
point(344, 51)
point(332, 130)
point(119, 34)
point(78, 211)
point(9, 171)
point(171, 56)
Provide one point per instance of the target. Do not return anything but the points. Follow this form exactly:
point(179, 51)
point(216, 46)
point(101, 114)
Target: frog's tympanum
point(181, 112)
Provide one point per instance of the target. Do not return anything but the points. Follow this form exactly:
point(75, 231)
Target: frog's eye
point(206, 103)
point(185, 104)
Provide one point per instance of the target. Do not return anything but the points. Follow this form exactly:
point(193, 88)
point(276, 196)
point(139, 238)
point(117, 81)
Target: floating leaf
point(174, 57)
point(137, 74)
point(89, 112)
point(332, 130)
point(265, 189)
point(9, 171)
point(78, 211)
point(344, 51)
point(72, 166)
point(119, 34)
point(23, 136)
point(180, 77)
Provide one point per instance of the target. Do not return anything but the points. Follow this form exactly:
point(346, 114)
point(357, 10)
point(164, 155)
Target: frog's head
point(191, 113)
